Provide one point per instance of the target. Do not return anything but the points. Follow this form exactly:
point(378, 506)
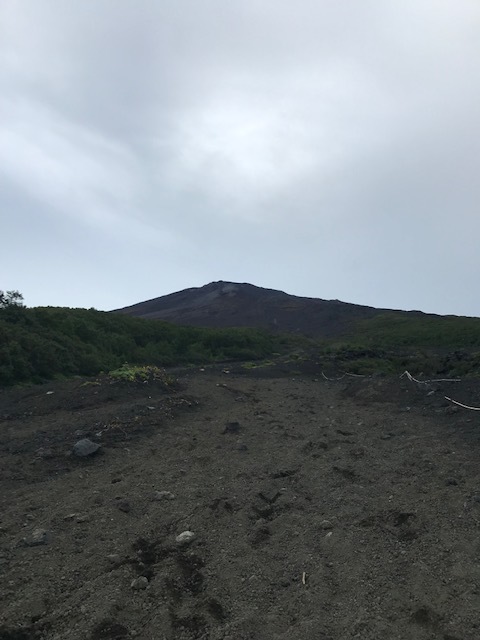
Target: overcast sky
point(328, 149)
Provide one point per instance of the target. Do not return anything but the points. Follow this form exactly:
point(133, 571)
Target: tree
point(10, 299)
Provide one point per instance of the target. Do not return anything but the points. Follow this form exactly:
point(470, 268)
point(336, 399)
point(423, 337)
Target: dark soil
point(329, 510)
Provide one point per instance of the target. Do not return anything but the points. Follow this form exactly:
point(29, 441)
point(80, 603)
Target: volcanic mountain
point(229, 304)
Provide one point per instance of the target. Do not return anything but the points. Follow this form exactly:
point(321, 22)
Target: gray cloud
point(328, 149)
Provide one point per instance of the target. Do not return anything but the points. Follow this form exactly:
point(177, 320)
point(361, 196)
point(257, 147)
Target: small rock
point(36, 538)
point(70, 516)
point(451, 482)
point(123, 505)
point(163, 495)
point(139, 583)
point(232, 427)
point(114, 558)
point(242, 447)
point(326, 524)
point(85, 447)
point(49, 393)
point(184, 538)
point(85, 518)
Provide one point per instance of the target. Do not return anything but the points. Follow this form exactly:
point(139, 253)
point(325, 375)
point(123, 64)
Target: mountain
point(230, 304)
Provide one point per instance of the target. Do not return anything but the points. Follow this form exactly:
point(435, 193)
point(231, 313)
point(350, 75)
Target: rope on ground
point(465, 406)
point(333, 379)
point(352, 375)
point(412, 379)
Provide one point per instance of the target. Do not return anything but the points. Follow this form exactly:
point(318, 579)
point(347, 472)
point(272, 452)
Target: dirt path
point(323, 510)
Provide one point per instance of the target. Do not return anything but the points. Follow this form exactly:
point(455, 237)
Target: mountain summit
point(230, 304)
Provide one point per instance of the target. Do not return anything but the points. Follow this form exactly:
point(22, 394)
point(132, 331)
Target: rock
point(123, 505)
point(85, 518)
point(163, 495)
point(451, 482)
point(115, 559)
point(36, 538)
point(85, 447)
point(242, 447)
point(232, 427)
point(139, 583)
point(184, 538)
point(70, 516)
point(326, 524)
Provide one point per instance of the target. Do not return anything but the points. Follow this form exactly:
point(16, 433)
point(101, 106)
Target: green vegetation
point(142, 374)
point(421, 343)
point(49, 342)
point(419, 330)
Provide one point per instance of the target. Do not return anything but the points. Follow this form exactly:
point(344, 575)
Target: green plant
point(143, 374)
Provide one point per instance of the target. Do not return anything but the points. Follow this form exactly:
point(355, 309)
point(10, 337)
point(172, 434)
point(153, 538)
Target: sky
point(327, 149)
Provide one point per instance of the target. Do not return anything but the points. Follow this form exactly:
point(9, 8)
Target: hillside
point(43, 343)
point(233, 323)
point(230, 304)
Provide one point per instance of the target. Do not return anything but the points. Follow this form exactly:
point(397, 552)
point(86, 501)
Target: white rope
point(412, 379)
point(333, 379)
point(352, 375)
point(465, 406)
point(460, 404)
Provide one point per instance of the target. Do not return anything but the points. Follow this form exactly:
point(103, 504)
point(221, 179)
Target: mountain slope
point(229, 304)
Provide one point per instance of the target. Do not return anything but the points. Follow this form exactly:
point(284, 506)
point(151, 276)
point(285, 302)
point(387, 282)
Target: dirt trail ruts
point(329, 510)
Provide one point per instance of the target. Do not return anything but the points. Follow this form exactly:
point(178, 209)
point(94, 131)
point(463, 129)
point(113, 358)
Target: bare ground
point(329, 510)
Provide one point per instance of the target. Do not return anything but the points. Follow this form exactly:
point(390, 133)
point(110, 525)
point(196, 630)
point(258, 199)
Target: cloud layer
point(326, 149)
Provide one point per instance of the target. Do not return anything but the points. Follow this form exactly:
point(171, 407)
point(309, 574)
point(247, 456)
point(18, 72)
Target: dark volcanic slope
point(228, 304)
point(321, 510)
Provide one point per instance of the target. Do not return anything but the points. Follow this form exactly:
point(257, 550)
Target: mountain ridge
point(230, 304)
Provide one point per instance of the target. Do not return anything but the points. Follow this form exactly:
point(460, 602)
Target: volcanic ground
point(323, 509)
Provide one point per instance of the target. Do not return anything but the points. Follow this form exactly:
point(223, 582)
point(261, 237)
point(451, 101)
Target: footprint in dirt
point(192, 611)
point(110, 630)
point(401, 524)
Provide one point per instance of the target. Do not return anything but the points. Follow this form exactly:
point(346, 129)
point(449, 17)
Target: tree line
point(47, 342)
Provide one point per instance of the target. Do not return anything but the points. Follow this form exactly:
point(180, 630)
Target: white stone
point(185, 537)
